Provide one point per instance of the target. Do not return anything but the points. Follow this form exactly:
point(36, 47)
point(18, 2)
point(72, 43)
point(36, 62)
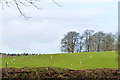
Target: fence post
point(6, 64)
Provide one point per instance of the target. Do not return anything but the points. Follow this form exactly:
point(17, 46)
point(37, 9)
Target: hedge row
point(50, 73)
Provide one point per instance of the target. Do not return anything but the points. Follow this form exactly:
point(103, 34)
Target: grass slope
point(83, 60)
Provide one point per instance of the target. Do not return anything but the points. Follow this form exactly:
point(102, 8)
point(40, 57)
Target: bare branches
point(33, 4)
point(57, 3)
point(18, 3)
point(21, 12)
point(25, 3)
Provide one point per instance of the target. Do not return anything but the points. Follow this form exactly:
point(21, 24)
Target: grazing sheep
point(51, 56)
point(80, 62)
point(90, 56)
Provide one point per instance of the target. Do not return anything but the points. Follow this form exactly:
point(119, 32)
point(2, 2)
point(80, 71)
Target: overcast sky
point(43, 32)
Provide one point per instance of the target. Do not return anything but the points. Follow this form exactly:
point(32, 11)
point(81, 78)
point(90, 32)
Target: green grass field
point(83, 60)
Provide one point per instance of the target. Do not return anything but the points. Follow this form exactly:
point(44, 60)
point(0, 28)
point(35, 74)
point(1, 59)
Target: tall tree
point(80, 43)
point(98, 38)
point(69, 42)
point(88, 39)
point(108, 42)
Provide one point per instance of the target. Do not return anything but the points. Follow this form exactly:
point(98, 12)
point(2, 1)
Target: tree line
point(22, 54)
point(89, 41)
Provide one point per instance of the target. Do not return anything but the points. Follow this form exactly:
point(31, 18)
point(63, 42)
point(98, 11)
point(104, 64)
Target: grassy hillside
point(83, 60)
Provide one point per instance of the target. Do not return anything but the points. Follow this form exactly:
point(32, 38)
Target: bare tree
point(98, 38)
point(69, 42)
point(88, 39)
point(80, 43)
point(108, 42)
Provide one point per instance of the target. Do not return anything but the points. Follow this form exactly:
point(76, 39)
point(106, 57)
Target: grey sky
point(44, 31)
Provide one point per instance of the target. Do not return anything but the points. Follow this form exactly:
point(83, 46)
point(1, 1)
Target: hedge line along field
point(82, 60)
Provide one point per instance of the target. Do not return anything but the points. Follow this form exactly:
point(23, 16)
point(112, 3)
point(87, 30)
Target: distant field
point(83, 60)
